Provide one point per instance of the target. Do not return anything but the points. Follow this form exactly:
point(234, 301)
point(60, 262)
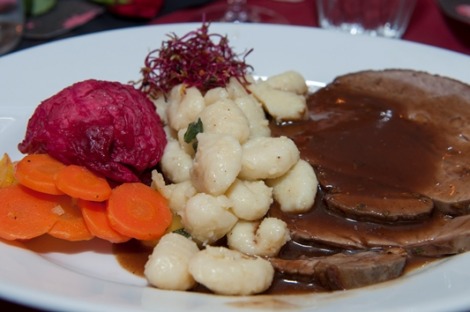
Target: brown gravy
point(367, 141)
point(356, 143)
point(132, 256)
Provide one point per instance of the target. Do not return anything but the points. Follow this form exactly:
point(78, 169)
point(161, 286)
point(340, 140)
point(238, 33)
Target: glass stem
point(237, 5)
point(237, 11)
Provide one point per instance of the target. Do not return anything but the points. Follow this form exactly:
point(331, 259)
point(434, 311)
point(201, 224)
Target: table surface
point(428, 26)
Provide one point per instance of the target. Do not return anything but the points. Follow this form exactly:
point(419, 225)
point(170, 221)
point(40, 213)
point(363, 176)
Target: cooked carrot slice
point(97, 221)
point(138, 211)
point(79, 182)
point(7, 171)
point(25, 214)
point(70, 224)
point(38, 172)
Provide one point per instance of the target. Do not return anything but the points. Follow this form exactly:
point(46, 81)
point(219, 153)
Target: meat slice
point(438, 102)
point(440, 237)
point(381, 134)
point(347, 270)
point(451, 238)
point(399, 207)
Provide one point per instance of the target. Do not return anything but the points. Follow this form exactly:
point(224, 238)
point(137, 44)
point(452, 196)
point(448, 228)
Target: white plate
point(86, 276)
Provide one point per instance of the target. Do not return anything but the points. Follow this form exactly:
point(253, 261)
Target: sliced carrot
point(79, 182)
point(7, 171)
point(25, 214)
point(38, 172)
point(70, 225)
point(94, 214)
point(176, 225)
point(138, 211)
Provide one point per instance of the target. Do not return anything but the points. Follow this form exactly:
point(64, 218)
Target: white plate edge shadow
point(335, 53)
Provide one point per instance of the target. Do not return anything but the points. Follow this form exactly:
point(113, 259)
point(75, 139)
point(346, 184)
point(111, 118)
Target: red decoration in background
point(145, 9)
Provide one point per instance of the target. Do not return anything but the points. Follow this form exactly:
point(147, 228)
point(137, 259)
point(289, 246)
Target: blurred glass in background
point(386, 18)
point(11, 24)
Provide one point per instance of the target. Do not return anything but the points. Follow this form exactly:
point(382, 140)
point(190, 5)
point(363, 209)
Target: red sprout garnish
point(194, 60)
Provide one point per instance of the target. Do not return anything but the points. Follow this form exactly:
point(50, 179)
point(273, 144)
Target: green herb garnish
point(183, 232)
point(193, 129)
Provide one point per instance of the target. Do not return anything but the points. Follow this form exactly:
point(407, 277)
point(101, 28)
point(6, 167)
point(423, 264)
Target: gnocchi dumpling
point(161, 106)
point(267, 157)
point(208, 218)
point(225, 117)
point(250, 199)
point(253, 110)
point(235, 89)
point(184, 105)
point(215, 94)
point(229, 272)
point(290, 81)
point(168, 265)
point(177, 194)
point(280, 104)
point(216, 164)
point(176, 163)
point(260, 239)
point(296, 190)
point(186, 146)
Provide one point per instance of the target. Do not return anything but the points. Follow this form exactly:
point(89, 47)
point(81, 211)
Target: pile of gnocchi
point(224, 186)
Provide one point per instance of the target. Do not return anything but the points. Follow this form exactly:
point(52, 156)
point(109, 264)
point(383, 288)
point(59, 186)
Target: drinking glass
point(239, 11)
point(11, 24)
point(386, 18)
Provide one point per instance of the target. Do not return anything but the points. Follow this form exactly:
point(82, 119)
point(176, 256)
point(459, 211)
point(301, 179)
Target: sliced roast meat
point(355, 198)
point(439, 236)
point(451, 238)
point(393, 208)
point(439, 103)
point(347, 270)
point(380, 134)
